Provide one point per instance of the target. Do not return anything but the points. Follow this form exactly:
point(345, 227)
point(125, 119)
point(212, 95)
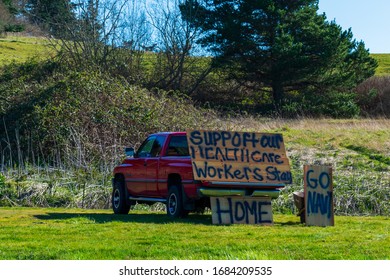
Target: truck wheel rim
point(116, 199)
point(172, 204)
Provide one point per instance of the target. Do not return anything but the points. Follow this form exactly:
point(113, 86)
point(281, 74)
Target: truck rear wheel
point(119, 203)
point(175, 207)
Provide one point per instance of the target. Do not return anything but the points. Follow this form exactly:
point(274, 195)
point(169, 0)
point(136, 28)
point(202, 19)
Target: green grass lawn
point(73, 234)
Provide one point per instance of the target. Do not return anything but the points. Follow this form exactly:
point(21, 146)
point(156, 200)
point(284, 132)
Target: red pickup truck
point(161, 171)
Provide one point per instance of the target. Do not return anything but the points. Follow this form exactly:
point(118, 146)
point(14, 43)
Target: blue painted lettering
point(237, 207)
point(205, 170)
point(319, 203)
point(229, 211)
point(228, 172)
point(257, 175)
point(219, 154)
point(236, 140)
point(208, 138)
point(273, 174)
point(250, 210)
point(192, 152)
point(271, 141)
point(195, 138)
point(209, 153)
point(261, 212)
point(247, 172)
point(225, 137)
point(324, 184)
point(230, 151)
point(311, 203)
point(251, 138)
point(323, 180)
point(239, 211)
point(246, 139)
point(238, 174)
point(216, 137)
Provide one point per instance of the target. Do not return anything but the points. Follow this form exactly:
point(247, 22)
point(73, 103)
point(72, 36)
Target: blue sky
point(369, 20)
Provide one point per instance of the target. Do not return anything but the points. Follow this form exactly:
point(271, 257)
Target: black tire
point(175, 207)
point(119, 203)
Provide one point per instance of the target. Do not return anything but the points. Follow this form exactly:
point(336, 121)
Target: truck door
point(152, 167)
point(136, 178)
point(175, 160)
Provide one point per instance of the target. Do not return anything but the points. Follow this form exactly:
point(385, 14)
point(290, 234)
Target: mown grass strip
point(44, 233)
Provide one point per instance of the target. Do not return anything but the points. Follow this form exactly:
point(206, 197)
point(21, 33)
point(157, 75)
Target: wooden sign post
point(242, 160)
point(318, 186)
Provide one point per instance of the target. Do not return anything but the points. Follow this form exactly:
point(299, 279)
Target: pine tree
point(51, 15)
point(280, 46)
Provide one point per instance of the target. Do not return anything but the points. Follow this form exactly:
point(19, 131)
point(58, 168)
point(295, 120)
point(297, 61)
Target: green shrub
point(333, 104)
point(14, 28)
point(2, 181)
point(373, 96)
point(8, 193)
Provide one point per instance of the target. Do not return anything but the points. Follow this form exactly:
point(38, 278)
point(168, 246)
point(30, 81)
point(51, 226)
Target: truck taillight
point(205, 183)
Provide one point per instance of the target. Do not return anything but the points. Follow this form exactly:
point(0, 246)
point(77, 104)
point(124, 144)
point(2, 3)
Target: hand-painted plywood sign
point(318, 196)
point(239, 157)
point(240, 210)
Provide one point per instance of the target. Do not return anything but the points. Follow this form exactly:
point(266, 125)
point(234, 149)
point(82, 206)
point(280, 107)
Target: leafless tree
point(105, 33)
point(175, 47)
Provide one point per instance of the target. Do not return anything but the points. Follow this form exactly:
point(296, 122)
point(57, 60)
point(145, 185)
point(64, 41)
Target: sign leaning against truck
point(245, 157)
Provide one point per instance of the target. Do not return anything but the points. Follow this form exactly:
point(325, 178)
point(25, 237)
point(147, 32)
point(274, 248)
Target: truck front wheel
point(175, 207)
point(119, 204)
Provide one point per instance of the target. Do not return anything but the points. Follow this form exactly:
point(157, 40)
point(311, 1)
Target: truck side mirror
point(129, 152)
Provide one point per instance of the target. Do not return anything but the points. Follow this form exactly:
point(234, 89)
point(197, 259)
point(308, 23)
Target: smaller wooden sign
point(319, 209)
point(241, 210)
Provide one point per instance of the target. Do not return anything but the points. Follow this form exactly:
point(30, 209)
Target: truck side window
point(151, 147)
point(178, 146)
point(157, 146)
point(146, 148)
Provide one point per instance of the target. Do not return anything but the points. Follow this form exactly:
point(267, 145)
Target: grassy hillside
point(384, 64)
point(50, 234)
point(19, 49)
point(22, 48)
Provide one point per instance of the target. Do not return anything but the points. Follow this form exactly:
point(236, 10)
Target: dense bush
point(14, 28)
point(48, 187)
point(67, 118)
point(333, 104)
point(373, 96)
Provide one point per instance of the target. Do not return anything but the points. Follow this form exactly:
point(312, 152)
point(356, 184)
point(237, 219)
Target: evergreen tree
point(280, 46)
point(51, 15)
point(8, 17)
point(12, 9)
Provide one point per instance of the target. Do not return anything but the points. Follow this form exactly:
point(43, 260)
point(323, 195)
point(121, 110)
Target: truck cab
point(159, 171)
